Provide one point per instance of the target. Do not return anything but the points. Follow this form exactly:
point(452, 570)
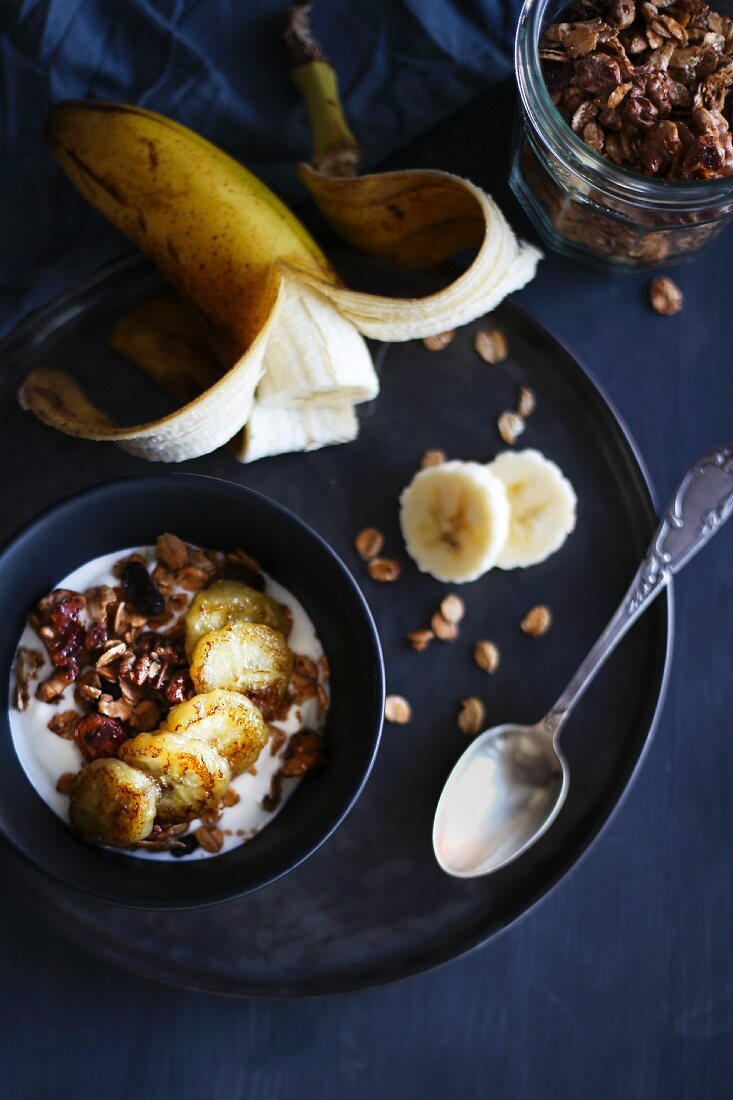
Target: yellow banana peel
point(252, 272)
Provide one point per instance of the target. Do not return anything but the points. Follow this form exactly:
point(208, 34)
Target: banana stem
point(336, 152)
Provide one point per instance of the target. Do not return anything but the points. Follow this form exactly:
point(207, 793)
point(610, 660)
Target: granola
point(646, 85)
point(114, 663)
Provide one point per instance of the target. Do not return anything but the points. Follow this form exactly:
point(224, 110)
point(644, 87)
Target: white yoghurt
point(45, 756)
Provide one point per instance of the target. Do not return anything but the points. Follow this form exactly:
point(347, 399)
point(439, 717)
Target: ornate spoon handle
point(702, 503)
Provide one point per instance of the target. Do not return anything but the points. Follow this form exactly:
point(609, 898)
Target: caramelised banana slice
point(191, 774)
point(228, 721)
point(226, 600)
point(250, 658)
point(113, 803)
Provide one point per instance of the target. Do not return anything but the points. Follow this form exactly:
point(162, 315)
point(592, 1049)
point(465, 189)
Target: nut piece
point(486, 655)
point(471, 716)
point(432, 458)
point(172, 552)
point(420, 639)
point(526, 401)
point(440, 341)
point(369, 543)
point(397, 710)
point(384, 569)
point(510, 425)
point(491, 345)
point(537, 621)
point(665, 296)
point(210, 838)
point(452, 608)
point(442, 629)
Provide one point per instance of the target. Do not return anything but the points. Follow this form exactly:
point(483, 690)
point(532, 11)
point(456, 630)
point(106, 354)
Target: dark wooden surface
point(620, 984)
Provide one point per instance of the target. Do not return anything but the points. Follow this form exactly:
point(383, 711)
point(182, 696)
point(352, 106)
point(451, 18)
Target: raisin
point(141, 590)
point(99, 736)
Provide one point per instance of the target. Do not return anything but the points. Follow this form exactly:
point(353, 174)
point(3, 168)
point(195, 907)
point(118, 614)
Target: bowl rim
point(217, 897)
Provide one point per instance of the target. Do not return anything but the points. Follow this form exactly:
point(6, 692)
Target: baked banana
point(250, 658)
point(191, 773)
point(228, 721)
point(112, 802)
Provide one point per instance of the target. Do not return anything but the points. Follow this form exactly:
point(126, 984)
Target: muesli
point(168, 698)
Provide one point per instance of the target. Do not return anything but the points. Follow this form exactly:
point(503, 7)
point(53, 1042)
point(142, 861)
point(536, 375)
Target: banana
point(279, 431)
point(284, 326)
point(542, 504)
point(224, 601)
point(228, 721)
point(191, 774)
point(455, 520)
point(314, 356)
point(250, 658)
point(113, 803)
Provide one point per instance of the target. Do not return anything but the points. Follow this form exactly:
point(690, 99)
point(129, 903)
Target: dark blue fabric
point(218, 66)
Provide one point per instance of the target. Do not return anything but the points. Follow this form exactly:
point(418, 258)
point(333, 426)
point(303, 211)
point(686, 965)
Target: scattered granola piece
point(28, 664)
point(230, 798)
point(486, 656)
point(172, 552)
point(277, 739)
point(63, 724)
point(272, 799)
point(369, 543)
point(65, 782)
point(442, 629)
point(665, 296)
point(440, 341)
point(526, 402)
point(537, 621)
point(510, 425)
point(384, 569)
point(432, 458)
point(397, 710)
point(420, 639)
point(471, 716)
point(452, 608)
point(491, 345)
point(210, 838)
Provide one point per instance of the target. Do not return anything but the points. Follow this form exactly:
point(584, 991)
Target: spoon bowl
point(504, 792)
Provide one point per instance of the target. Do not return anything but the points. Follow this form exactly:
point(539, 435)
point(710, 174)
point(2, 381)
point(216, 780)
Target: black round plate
point(371, 905)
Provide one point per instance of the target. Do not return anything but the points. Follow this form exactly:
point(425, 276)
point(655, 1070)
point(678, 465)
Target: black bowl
point(222, 516)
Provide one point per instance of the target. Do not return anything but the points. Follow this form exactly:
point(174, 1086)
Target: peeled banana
point(286, 330)
point(455, 520)
point(542, 505)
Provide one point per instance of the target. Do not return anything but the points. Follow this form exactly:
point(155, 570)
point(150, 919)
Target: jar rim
point(575, 155)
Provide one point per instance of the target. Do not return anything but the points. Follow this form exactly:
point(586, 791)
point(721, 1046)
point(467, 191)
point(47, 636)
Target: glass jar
point(581, 202)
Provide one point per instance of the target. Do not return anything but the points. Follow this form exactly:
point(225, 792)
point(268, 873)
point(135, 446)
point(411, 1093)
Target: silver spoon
point(511, 782)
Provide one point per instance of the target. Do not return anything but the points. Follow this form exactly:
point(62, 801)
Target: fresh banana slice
point(542, 504)
point(228, 721)
point(191, 773)
point(281, 431)
point(113, 803)
point(250, 658)
point(455, 520)
point(314, 356)
point(224, 601)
